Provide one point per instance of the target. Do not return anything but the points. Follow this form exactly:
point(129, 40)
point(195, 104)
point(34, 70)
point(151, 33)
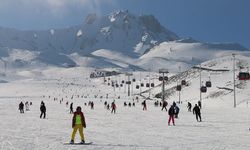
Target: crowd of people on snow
point(78, 121)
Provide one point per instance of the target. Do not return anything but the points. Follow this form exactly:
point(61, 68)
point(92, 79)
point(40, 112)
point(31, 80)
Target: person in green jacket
point(78, 123)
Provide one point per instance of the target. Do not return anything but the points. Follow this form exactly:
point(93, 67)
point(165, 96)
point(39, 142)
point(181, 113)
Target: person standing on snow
point(71, 108)
point(164, 105)
point(189, 106)
point(171, 113)
point(113, 107)
point(21, 105)
point(197, 112)
point(78, 123)
point(144, 105)
point(43, 110)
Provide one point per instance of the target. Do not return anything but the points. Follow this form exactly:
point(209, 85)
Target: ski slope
point(223, 127)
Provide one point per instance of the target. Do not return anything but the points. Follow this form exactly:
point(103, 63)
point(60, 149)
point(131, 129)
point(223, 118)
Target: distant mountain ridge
point(120, 33)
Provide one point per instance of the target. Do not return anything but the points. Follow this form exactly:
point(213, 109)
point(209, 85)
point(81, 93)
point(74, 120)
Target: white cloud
point(55, 7)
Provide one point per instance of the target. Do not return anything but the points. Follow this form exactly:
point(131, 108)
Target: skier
point(78, 123)
point(21, 105)
point(43, 110)
point(171, 113)
point(108, 107)
point(164, 105)
point(189, 106)
point(71, 108)
point(92, 105)
point(113, 107)
point(197, 112)
point(144, 105)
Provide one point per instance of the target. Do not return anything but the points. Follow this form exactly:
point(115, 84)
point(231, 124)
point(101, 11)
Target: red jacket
point(82, 119)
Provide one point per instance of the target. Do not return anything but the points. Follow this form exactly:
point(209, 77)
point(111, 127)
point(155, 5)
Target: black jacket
point(196, 110)
point(171, 111)
point(43, 108)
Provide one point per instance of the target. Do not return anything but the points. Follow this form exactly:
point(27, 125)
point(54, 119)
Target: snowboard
point(87, 143)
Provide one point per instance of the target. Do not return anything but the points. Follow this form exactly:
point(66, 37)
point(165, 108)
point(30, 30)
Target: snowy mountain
point(118, 40)
point(120, 31)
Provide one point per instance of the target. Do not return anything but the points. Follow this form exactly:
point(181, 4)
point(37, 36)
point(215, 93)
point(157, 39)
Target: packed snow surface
point(222, 126)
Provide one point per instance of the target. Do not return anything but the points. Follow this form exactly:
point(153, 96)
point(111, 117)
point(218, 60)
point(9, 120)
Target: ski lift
point(244, 76)
point(142, 84)
point(183, 82)
point(147, 85)
point(208, 84)
point(160, 78)
point(203, 89)
point(178, 87)
point(133, 80)
point(128, 82)
point(123, 81)
point(152, 85)
point(137, 86)
point(166, 78)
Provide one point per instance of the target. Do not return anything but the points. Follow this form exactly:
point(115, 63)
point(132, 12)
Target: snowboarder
point(43, 110)
point(197, 112)
point(144, 105)
point(164, 105)
point(78, 123)
point(189, 106)
point(113, 107)
point(171, 113)
point(21, 105)
point(71, 108)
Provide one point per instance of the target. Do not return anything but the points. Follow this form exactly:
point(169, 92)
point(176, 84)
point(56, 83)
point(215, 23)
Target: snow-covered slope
point(222, 126)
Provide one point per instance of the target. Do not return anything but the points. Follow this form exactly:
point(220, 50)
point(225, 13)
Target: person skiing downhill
point(197, 112)
point(78, 123)
point(171, 113)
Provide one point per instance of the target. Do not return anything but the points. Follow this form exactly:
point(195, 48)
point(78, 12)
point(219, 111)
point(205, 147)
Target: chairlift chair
point(178, 88)
point(208, 84)
point(203, 89)
point(183, 82)
point(152, 85)
point(244, 76)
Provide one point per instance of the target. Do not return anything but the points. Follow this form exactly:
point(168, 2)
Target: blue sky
point(204, 20)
